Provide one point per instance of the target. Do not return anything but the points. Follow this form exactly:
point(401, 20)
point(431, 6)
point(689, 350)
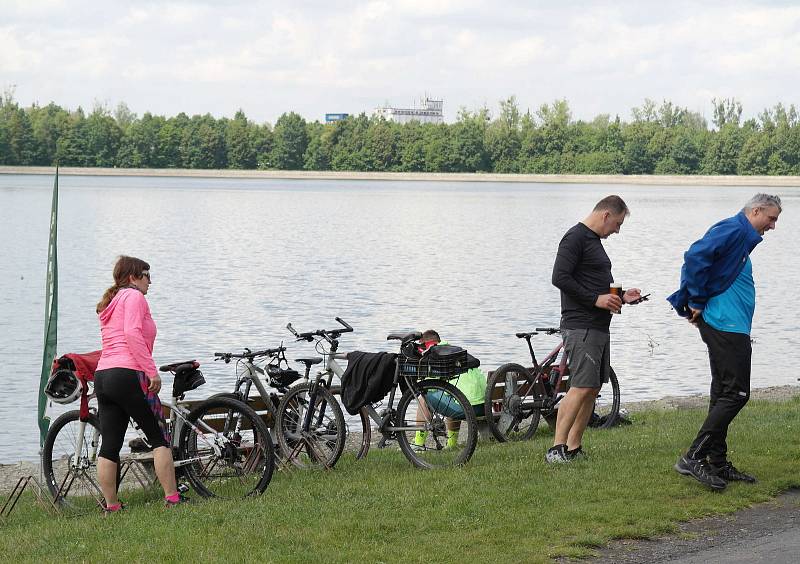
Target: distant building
point(331, 118)
point(428, 111)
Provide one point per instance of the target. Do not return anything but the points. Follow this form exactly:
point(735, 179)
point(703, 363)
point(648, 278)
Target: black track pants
point(729, 354)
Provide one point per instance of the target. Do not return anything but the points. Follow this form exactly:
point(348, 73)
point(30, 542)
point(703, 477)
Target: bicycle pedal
point(385, 441)
point(183, 488)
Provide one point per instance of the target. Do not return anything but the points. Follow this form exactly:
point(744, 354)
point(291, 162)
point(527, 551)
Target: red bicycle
point(517, 397)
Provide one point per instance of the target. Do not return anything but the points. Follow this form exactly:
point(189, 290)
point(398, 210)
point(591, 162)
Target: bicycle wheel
point(321, 444)
point(69, 460)
point(509, 393)
point(225, 449)
point(363, 428)
point(606, 406)
point(423, 418)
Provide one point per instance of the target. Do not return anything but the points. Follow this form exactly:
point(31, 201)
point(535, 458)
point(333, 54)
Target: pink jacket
point(128, 333)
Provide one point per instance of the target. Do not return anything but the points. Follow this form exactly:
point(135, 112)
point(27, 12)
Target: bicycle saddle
point(179, 366)
point(404, 337)
point(309, 362)
point(526, 335)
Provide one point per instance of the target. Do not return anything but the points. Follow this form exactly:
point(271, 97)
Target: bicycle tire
point(241, 465)
point(504, 406)
point(322, 444)
point(59, 458)
point(366, 428)
point(608, 411)
point(435, 452)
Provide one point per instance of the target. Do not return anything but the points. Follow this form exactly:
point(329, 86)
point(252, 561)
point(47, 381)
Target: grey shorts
point(588, 357)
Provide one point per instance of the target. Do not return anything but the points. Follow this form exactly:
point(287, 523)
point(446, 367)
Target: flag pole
point(50, 314)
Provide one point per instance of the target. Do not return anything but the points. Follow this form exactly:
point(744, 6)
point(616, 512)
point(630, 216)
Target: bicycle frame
point(178, 417)
point(385, 423)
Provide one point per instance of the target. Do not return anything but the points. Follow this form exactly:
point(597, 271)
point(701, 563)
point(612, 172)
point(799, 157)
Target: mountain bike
point(221, 446)
point(273, 379)
point(418, 424)
point(518, 396)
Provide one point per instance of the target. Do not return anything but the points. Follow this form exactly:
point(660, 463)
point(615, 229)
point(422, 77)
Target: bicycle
point(517, 397)
point(400, 424)
point(222, 447)
point(276, 375)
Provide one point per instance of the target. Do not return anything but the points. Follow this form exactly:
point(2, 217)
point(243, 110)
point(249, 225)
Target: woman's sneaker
point(700, 471)
point(181, 500)
point(109, 509)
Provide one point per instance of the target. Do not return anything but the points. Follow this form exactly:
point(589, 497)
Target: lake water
point(233, 261)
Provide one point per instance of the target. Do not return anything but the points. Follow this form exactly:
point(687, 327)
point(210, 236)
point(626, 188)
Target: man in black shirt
point(582, 271)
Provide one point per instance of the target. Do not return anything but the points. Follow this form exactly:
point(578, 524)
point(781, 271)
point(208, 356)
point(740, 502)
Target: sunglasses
point(147, 274)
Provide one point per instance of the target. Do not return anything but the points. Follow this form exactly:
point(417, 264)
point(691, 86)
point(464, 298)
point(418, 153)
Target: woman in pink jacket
point(127, 382)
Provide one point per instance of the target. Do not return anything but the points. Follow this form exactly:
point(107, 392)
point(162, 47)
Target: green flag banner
point(50, 314)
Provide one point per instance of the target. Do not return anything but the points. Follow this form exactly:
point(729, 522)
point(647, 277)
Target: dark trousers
point(729, 354)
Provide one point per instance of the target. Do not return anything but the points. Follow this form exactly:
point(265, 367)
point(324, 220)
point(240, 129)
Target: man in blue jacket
point(717, 294)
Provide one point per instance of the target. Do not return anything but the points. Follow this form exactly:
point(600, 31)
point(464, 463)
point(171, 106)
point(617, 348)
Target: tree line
point(658, 139)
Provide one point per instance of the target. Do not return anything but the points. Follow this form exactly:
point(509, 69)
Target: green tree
point(102, 138)
point(503, 137)
point(755, 154)
point(723, 148)
point(318, 152)
point(726, 111)
point(290, 141)
point(238, 142)
point(381, 145)
point(71, 147)
point(18, 143)
point(468, 151)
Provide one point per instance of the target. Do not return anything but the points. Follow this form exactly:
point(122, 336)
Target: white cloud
point(273, 56)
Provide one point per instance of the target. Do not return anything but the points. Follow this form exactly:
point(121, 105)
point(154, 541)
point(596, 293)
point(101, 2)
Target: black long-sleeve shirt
point(582, 271)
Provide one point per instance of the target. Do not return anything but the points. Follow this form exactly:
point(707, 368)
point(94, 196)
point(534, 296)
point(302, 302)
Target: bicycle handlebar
point(327, 334)
point(227, 356)
point(548, 330)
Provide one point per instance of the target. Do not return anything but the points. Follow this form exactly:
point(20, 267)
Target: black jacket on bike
point(368, 378)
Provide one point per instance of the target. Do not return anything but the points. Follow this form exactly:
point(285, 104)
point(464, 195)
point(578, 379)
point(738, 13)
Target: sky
point(317, 57)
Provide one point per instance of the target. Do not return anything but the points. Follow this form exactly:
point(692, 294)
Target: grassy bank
point(645, 179)
point(506, 505)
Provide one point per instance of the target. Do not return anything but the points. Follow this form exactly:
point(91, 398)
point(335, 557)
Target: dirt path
point(767, 532)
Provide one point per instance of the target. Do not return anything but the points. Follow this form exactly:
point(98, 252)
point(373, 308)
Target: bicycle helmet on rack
point(63, 386)
point(283, 377)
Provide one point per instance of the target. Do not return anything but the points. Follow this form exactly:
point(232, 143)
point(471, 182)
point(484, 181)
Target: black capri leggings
point(121, 396)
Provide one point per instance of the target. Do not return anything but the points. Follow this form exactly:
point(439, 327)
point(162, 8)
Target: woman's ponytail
point(123, 270)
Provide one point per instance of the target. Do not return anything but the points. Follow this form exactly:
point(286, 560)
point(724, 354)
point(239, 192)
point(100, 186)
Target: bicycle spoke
point(436, 427)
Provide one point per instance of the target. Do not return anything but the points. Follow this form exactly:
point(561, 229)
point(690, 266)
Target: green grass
point(505, 505)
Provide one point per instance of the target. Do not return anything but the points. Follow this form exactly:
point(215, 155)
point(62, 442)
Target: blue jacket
point(712, 263)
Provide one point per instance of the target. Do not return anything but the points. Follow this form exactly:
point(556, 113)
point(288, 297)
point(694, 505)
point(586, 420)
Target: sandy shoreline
point(652, 180)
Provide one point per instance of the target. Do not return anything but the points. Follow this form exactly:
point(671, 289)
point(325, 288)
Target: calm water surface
point(234, 260)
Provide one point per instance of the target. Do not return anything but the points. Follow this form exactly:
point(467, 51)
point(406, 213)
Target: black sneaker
point(576, 454)
point(729, 473)
point(557, 455)
point(700, 471)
